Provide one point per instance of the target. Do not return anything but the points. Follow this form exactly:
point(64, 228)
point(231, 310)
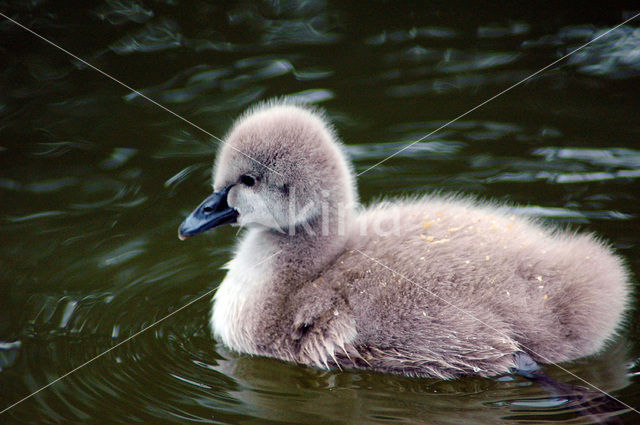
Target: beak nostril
point(212, 212)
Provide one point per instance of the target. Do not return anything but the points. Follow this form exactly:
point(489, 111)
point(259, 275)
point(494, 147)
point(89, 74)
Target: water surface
point(94, 180)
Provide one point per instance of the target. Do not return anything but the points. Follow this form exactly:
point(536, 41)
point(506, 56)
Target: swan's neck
point(268, 266)
point(306, 252)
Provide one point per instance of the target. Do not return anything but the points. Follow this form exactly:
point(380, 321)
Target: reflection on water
point(94, 181)
point(119, 12)
point(158, 35)
point(614, 54)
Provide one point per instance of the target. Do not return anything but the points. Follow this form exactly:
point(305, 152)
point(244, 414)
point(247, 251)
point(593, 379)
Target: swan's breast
point(234, 315)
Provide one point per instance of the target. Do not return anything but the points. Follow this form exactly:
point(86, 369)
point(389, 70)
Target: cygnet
point(434, 286)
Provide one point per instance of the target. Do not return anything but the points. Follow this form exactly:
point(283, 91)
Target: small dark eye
point(247, 180)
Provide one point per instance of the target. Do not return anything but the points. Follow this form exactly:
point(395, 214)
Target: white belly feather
point(234, 314)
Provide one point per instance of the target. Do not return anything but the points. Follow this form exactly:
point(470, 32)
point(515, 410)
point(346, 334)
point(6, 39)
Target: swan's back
point(448, 277)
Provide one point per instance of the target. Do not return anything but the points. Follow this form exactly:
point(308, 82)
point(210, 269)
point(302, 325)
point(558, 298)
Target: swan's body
point(432, 286)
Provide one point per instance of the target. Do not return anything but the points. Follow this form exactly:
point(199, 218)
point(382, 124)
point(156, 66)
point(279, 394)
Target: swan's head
point(281, 167)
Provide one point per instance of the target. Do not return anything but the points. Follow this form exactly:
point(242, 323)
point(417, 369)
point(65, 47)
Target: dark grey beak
point(212, 212)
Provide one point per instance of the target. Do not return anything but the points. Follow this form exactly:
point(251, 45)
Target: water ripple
point(311, 96)
point(119, 12)
point(162, 34)
point(500, 31)
point(182, 87)
point(458, 82)
point(420, 149)
point(551, 212)
point(124, 253)
point(35, 216)
point(8, 353)
point(181, 176)
point(53, 185)
point(387, 37)
point(479, 61)
point(118, 157)
point(615, 55)
point(609, 157)
point(53, 149)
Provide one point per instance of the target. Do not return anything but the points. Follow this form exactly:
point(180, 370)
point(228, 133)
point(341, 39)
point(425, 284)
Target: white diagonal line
point(497, 95)
point(175, 114)
point(492, 328)
point(125, 340)
point(365, 255)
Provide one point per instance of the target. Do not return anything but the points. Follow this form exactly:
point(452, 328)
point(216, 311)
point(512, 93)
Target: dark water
point(94, 181)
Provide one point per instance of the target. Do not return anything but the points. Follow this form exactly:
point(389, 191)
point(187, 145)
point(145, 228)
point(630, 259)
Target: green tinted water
point(94, 181)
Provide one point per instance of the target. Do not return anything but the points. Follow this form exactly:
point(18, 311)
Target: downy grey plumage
point(438, 286)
